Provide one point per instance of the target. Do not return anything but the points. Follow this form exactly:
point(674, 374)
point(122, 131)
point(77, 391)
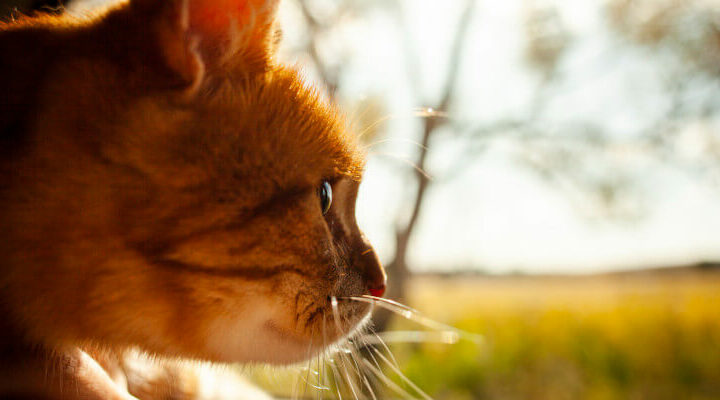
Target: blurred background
point(543, 174)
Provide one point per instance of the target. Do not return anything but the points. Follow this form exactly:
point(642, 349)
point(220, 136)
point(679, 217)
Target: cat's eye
point(325, 194)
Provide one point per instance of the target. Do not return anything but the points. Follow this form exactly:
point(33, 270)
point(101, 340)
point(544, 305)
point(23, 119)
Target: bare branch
point(315, 29)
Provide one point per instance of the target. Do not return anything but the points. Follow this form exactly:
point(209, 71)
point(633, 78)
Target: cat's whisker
point(336, 377)
point(345, 356)
point(370, 375)
point(322, 357)
point(340, 366)
point(405, 161)
point(351, 351)
point(369, 368)
point(448, 333)
point(328, 360)
point(391, 140)
point(340, 350)
point(373, 125)
point(336, 312)
point(443, 337)
point(349, 380)
point(374, 300)
point(318, 378)
point(401, 375)
point(374, 361)
point(353, 367)
point(367, 344)
point(422, 112)
point(355, 356)
point(309, 364)
point(386, 347)
point(324, 346)
point(387, 381)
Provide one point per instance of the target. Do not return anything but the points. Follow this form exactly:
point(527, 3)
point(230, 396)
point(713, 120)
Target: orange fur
point(159, 190)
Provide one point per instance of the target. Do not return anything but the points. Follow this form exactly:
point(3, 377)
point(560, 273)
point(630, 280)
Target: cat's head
point(180, 191)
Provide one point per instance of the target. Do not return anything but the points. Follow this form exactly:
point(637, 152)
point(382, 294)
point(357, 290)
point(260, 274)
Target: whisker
point(325, 355)
point(416, 316)
point(374, 299)
point(405, 161)
point(319, 378)
point(444, 337)
point(296, 384)
point(370, 375)
point(307, 375)
point(336, 317)
point(348, 380)
point(386, 347)
point(354, 356)
point(390, 140)
point(373, 125)
point(387, 381)
point(336, 377)
point(422, 112)
point(351, 353)
point(338, 380)
point(365, 369)
point(350, 376)
point(336, 313)
point(401, 375)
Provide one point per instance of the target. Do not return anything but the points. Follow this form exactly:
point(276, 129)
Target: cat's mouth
point(327, 323)
point(335, 319)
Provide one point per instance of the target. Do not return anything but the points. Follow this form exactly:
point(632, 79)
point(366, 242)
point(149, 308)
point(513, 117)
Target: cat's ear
point(211, 35)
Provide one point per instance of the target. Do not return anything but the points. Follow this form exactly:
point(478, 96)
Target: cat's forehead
point(277, 122)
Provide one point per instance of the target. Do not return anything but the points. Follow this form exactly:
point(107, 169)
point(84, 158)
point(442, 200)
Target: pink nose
point(378, 292)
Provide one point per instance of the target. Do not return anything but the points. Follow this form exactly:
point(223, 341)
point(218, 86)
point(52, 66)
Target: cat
point(167, 185)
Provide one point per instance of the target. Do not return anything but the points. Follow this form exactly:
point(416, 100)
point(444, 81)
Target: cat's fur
point(158, 189)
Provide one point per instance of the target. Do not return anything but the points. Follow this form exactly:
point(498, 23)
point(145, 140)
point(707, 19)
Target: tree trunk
point(397, 270)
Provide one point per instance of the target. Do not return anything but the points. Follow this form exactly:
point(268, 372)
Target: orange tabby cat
point(166, 185)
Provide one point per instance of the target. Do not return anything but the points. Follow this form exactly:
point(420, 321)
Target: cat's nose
point(378, 292)
point(374, 273)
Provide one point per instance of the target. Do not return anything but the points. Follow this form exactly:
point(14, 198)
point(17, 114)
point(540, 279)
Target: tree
point(10, 8)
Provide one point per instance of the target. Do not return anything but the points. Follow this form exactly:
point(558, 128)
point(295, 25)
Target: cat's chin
point(272, 342)
point(292, 349)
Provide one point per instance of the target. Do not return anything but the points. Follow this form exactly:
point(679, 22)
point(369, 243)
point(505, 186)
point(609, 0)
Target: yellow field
point(639, 336)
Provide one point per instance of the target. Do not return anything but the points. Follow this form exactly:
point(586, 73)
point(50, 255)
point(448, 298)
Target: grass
point(627, 336)
point(643, 336)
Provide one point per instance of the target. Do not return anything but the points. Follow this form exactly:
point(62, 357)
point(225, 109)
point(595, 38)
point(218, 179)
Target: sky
point(495, 215)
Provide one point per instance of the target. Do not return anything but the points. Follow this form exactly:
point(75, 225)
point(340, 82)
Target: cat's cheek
point(255, 336)
point(239, 338)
